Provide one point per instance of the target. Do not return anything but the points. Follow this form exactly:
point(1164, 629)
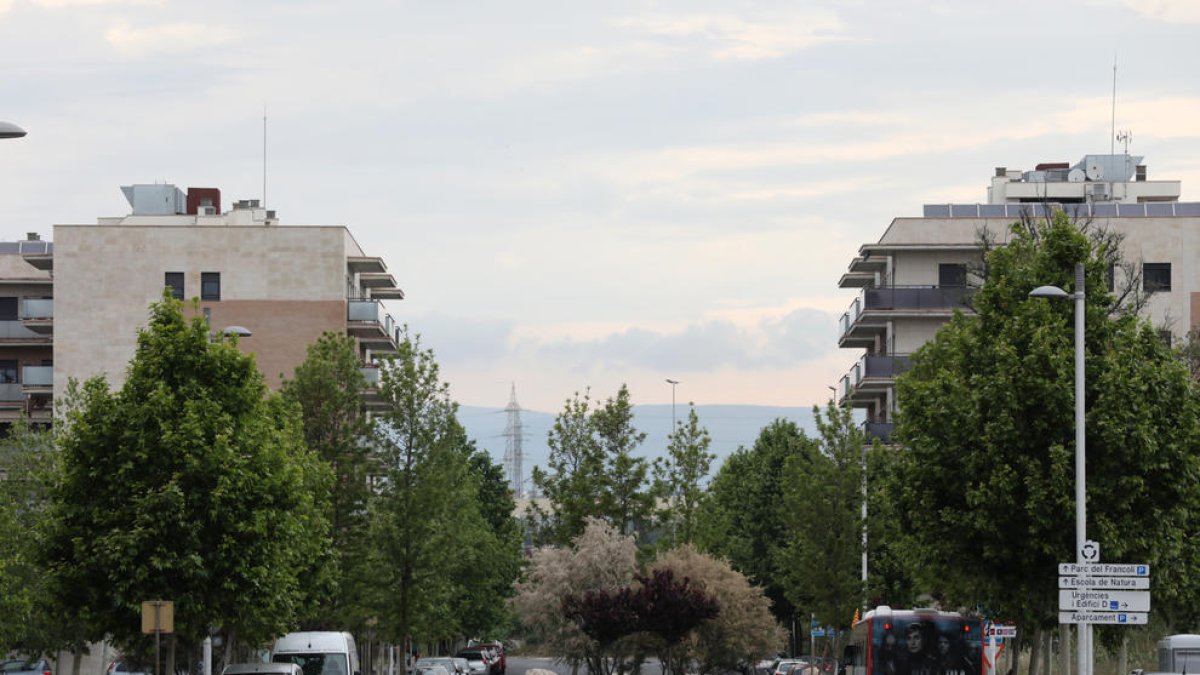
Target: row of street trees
point(975, 509)
point(255, 512)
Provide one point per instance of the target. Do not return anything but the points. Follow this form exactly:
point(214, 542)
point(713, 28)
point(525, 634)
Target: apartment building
point(74, 307)
point(912, 280)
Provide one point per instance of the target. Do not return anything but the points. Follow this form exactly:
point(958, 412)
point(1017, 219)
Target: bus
point(890, 641)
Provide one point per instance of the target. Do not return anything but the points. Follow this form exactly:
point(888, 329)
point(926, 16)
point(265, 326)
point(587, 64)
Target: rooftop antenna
point(264, 155)
point(1112, 148)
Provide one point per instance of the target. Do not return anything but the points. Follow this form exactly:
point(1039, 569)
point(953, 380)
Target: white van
point(318, 652)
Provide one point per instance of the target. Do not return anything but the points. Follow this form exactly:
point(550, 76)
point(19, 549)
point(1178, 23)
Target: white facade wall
point(107, 276)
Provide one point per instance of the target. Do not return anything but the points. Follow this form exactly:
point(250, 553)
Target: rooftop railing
point(1081, 210)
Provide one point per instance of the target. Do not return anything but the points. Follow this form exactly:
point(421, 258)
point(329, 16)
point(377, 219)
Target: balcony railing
point(371, 311)
point(884, 365)
point(13, 330)
point(37, 308)
point(11, 391)
point(880, 430)
point(371, 375)
point(37, 376)
point(915, 297)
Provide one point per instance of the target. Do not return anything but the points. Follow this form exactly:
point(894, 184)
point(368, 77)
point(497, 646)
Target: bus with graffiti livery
point(888, 641)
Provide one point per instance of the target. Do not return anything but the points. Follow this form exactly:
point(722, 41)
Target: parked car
point(497, 649)
point(476, 665)
point(127, 667)
point(446, 662)
point(784, 666)
point(483, 654)
point(431, 670)
point(26, 667)
point(462, 665)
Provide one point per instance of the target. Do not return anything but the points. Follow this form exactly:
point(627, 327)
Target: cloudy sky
point(580, 193)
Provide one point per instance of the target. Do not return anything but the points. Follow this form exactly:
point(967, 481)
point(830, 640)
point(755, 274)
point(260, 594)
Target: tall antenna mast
point(264, 155)
point(514, 454)
point(1112, 139)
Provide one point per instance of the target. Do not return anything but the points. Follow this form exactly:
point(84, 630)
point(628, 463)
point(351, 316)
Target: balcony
point(37, 314)
point(879, 430)
point(870, 312)
point(374, 328)
point(14, 334)
point(871, 378)
point(373, 400)
point(37, 378)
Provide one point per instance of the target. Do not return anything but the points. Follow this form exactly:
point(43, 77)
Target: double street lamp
point(1084, 640)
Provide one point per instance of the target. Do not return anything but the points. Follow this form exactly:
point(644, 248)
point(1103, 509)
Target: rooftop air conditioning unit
point(1098, 190)
point(207, 210)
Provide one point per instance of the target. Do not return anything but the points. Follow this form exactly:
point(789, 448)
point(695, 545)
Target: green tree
point(743, 521)
point(189, 484)
point(987, 480)
point(591, 470)
point(27, 623)
point(426, 519)
point(489, 567)
point(820, 563)
point(328, 388)
point(682, 478)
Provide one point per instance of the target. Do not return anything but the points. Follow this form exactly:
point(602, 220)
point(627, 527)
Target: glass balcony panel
point(364, 310)
point(37, 308)
point(916, 297)
point(14, 329)
point(37, 376)
point(880, 430)
point(885, 365)
point(371, 374)
point(10, 391)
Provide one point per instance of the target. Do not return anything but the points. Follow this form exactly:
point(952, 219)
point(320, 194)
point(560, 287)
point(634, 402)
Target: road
point(518, 665)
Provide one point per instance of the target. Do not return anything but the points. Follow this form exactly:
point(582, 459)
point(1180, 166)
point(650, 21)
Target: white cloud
point(172, 37)
point(93, 3)
point(730, 37)
point(1170, 11)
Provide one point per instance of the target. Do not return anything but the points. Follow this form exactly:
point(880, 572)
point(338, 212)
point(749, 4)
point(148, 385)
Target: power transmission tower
point(514, 435)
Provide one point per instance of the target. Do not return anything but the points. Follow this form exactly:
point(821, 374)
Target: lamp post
point(672, 383)
point(10, 130)
point(1084, 655)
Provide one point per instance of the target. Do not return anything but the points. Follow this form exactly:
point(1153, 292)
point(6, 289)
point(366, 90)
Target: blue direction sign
point(1105, 569)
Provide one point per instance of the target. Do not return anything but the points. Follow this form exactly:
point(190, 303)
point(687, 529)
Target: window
point(8, 309)
point(8, 371)
point(1156, 277)
point(210, 285)
point(1110, 277)
point(952, 274)
point(1166, 336)
point(174, 281)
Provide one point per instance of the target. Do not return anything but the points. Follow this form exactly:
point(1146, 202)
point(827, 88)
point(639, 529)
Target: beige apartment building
point(72, 308)
point(913, 278)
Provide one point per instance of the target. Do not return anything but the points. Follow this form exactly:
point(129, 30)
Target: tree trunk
point(1048, 653)
point(1035, 652)
point(1064, 644)
point(76, 659)
point(1123, 659)
point(171, 655)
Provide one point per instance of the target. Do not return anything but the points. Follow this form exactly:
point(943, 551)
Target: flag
point(857, 617)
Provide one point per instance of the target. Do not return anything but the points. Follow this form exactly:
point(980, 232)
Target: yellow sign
point(158, 616)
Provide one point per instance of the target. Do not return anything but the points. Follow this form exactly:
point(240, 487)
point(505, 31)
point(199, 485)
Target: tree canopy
point(189, 484)
point(986, 482)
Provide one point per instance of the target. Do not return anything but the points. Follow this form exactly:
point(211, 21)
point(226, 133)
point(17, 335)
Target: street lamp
point(10, 130)
point(672, 383)
point(1085, 633)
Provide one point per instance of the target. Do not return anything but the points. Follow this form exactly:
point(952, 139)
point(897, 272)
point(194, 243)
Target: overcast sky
point(580, 194)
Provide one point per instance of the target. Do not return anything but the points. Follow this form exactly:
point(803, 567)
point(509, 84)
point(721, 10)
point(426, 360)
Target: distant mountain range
point(731, 426)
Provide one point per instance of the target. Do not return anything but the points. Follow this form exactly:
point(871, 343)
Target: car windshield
point(316, 664)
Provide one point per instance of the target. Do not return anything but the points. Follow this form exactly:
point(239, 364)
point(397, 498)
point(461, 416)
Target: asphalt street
point(519, 665)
